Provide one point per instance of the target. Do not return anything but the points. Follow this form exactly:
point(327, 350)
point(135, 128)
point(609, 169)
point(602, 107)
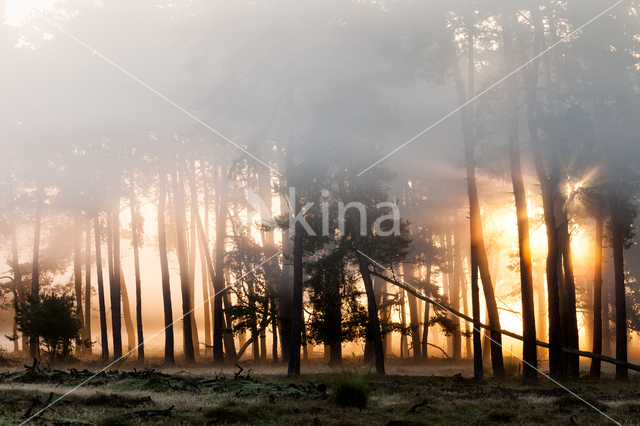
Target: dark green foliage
point(351, 390)
point(52, 318)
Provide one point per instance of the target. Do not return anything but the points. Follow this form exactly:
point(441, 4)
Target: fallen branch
point(584, 354)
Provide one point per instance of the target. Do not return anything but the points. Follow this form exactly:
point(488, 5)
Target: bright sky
point(17, 10)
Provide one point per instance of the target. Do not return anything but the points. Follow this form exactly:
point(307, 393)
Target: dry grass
point(270, 398)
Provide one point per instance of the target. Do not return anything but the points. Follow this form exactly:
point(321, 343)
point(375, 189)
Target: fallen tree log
point(409, 289)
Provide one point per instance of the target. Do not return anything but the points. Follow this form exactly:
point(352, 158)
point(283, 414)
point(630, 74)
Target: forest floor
point(439, 393)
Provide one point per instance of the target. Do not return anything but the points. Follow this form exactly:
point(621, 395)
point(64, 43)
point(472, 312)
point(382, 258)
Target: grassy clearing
point(265, 396)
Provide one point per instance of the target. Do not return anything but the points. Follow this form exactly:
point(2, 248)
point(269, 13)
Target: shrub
point(351, 390)
point(51, 317)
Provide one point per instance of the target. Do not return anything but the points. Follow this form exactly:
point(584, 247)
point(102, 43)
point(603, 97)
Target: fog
point(182, 110)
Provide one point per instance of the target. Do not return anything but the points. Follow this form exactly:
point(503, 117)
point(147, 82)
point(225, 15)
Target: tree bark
point(77, 272)
point(34, 341)
point(297, 313)
point(136, 262)
point(116, 312)
point(414, 315)
point(529, 350)
point(597, 290)
point(617, 242)
point(219, 284)
point(126, 310)
point(164, 267)
point(193, 197)
point(204, 244)
point(547, 184)
point(374, 322)
point(17, 278)
point(104, 336)
point(87, 288)
point(179, 207)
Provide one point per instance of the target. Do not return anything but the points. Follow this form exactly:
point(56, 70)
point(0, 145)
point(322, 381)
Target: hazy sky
point(17, 10)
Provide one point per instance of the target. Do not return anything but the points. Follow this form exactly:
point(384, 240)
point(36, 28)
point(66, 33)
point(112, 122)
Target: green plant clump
point(351, 390)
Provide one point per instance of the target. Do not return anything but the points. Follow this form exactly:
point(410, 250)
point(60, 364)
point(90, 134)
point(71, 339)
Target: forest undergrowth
point(249, 393)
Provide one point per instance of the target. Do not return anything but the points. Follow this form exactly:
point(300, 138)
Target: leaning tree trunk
point(77, 272)
point(529, 350)
point(617, 242)
point(104, 336)
point(136, 262)
point(164, 267)
point(34, 340)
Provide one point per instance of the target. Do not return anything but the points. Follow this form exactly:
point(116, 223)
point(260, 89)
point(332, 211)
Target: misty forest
point(336, 212)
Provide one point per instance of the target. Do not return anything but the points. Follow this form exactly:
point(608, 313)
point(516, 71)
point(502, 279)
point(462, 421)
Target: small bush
point(512, 366)
point(351, 390)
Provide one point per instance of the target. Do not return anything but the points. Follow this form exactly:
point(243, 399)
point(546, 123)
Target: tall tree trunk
point(374, 322)
point(17, 278)
point(164, 267)
point(548, 185)
point(529, 351)
point(34, 341)
point(116, 313)
point(126, 310)
point(136, 262)
point(597, 290)
point(617, 243)
point(454, 291)
point(427, 314)
point(193, 197)
point(414, 314)
point(204, 243)
point(86, 336)
point(564, 241)
point(77, 271)
point(104, 336)
point(179, 207)
point(465, 306)
point(606, 309)
point(297, 313)
point(219, 284)
point(478, 251)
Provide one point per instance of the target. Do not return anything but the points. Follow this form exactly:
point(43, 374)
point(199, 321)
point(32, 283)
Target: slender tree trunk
point(297, 318)
point(104, 336)
point(17, 277)
point(164, 267)
point(116, 313)
point(454, 291)
point(606, 309)
point(478, 250)
point(77, 271)
point(204, 243)
point(179, 207)
point(193, 196)
point(597, 291)
point(548, 184)
point(465, 306)
point(136, 262)
point(374, 322)
point(34, 341)
point(529, 350)
point(569, 280)
point(86, 336)
point(126, 310)
point(427, 314)
point(617, 242)
point(414, 314)
point(219, 284)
